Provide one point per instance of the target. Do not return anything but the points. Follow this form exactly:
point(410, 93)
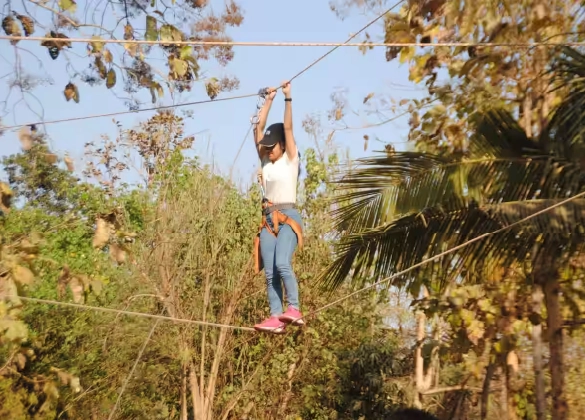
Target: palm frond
point(565, 132)
point(557, 223)
point(373, 194)
point(380, 252)
point(388, 186)
point(381, 192)
point(498, 135)
point(397, 209)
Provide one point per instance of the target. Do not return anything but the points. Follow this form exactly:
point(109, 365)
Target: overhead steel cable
point(111, 114)
point(301, 44)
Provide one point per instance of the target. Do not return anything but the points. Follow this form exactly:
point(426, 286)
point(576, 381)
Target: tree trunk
point(418, 360)
point(504, 395)
point(511, 389)
point(198, 404)
point(485, 392)
point(422, 382)
point(184, 393)
point(555, 333)
point(537, 351)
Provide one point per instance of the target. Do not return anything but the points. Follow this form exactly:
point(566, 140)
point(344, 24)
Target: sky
point(220, 128)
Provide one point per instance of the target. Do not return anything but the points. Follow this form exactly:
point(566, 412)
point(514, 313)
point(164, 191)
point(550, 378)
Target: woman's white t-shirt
point(279, 179)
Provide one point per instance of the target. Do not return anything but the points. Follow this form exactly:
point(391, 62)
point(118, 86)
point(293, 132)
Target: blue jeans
point(277, 256)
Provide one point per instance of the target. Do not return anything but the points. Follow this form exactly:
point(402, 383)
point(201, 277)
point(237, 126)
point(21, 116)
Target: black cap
point(273, 134)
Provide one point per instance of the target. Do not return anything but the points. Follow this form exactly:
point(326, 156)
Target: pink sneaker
point(272, 324)
point(292, 316)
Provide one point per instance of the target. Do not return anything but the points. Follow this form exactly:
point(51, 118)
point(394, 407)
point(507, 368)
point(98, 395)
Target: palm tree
point(399, 208)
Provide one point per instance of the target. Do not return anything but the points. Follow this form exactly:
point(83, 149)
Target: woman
point(280, 161)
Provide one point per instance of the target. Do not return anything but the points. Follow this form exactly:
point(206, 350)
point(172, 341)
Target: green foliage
point(399, 209)
point(464, 80)
point(181, 245)
point(36, 179)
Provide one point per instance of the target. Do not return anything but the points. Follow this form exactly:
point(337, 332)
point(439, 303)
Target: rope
point(111, 114)
point(301, 44)
point(260, 101)
point(240, 149)
point(131, 313)
point(387, 279)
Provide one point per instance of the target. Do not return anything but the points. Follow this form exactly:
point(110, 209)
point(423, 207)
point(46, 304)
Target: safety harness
point(268, 208)
point(278, 218)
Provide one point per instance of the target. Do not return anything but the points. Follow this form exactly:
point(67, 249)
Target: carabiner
point(263, 92)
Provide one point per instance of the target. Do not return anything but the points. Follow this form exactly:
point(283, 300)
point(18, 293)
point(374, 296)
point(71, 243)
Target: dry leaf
point(101, 67)
point(25, 138)
point(131, 48)
point(20, 361)
point(389, 148)
point(5, 197)
point(11, 28)
point(111, 79)
point(28, 247)
point(96, 287)
point(366, 138)
point(102, 233)
point(414, 120)
point(71, 92)
point(338, 114)
point(403, 102)
point(179, 68)
point(512, 360)
point(68, 5)
point(23, 275)
point(69, 164)
point(151, 33)
point(128, 32)
point(27, 24)
point(540, 11)
point(170, 33)
point(64, 377)
point(107, 56)
point(330, 137)
point(97, 45)
point(212, 87)
point(63, 281)
point(368, 97)
point(117, 253)
point(76, 286)
point(50, 158)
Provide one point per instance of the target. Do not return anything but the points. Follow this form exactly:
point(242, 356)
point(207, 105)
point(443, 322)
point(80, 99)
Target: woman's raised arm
point(289, 138)
point(262, 118)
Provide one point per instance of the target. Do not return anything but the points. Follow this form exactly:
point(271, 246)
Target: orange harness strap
point(277, 219)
